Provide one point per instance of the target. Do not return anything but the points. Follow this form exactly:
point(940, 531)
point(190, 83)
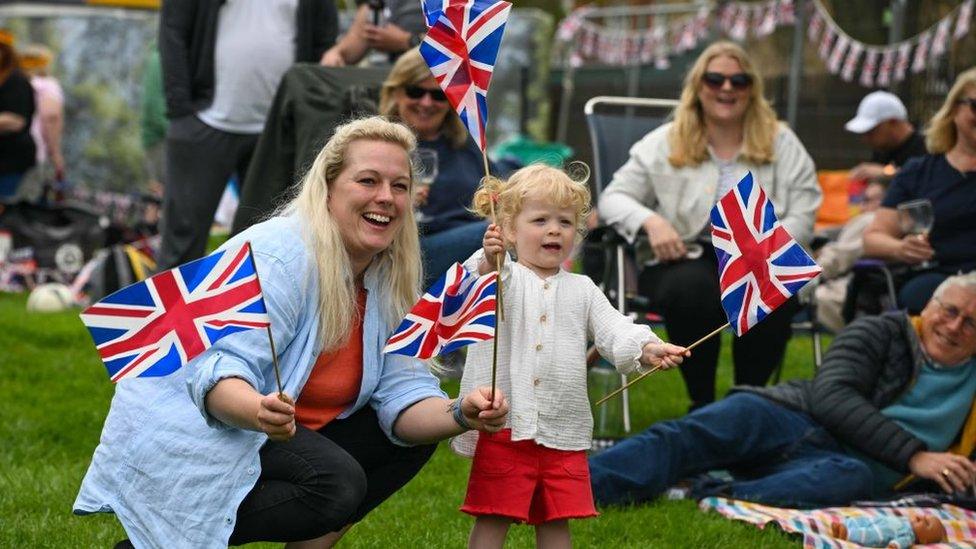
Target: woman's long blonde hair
point(563, 189)
point(409, 70)
point(687, 139)
point(399, 266)
point(940, 135)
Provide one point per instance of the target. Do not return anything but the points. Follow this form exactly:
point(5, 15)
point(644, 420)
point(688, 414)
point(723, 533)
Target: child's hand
point(494, 245)
point(663, 355)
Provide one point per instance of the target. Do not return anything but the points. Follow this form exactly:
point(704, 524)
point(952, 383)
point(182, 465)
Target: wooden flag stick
point(274, 354)
point(656, 368)
point(499, 309)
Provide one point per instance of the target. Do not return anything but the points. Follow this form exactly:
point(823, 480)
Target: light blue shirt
point(173, 474)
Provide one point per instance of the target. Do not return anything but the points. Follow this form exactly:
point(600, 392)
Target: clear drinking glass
point(916, 217)
point(608, 418)
point(425, 167)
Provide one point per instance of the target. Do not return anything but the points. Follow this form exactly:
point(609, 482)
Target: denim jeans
point(9, 183)
point(320, 481)
point(775, 455)
point(440, 250)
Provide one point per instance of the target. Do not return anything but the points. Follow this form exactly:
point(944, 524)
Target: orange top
point(335, 379)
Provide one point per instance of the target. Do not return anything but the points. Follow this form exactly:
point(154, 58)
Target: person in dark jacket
point(222, 61)
point(894, 396)
point(17, 152)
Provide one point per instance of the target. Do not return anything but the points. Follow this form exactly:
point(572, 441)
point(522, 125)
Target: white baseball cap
point(875, 108)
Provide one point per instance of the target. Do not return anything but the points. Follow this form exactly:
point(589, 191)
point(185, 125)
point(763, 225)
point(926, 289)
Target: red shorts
point(527, 482)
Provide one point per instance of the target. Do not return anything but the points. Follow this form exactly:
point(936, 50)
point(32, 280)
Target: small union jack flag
point(760, 266)
point(154, 327)
point(460, 48)
point(457, 310)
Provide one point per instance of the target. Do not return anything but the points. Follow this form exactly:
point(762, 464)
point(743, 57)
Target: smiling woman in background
point(722, 128)
point(449, 232)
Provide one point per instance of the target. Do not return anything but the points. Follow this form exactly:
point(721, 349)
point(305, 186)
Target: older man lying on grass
point(894, 396)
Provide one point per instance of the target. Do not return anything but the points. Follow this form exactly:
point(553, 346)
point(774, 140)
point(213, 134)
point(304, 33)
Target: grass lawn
point(54, 395)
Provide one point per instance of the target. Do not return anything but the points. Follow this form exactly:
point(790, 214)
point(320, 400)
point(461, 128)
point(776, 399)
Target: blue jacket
point(173, 474)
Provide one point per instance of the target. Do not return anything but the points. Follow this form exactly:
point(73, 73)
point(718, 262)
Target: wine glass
point(425, 166)
point(917, 217)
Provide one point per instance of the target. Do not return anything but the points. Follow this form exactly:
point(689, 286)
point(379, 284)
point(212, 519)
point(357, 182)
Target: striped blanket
point(814, 524)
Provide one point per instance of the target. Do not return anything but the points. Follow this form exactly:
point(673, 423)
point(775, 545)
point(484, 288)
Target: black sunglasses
point(971, 101)
point(716, 80)
point(416, 92)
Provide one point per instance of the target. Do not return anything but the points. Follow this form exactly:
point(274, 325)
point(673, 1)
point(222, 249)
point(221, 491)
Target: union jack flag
point(760, 266)
point(457, 310)
point(154, 327)
point(460, 48)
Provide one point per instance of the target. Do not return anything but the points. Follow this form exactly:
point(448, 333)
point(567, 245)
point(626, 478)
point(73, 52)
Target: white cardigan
point(542, 354)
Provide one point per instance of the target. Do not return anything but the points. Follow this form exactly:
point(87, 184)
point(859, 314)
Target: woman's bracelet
point(458, 416)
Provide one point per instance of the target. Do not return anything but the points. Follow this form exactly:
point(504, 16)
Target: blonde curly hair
point(565, 190)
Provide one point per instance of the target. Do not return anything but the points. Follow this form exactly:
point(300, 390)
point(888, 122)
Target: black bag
point(61, 238)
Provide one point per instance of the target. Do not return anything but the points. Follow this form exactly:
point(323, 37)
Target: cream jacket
point(649, 185)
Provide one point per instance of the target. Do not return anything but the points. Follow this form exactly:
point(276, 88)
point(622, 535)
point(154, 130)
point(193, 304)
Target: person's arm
point(840, 394)
point(628, 201)
point(19, 106)
point(795, 169)
point(11, 122)
point(873, 171)
point(622, 342)
point(883, 239)
point(836, 258)
point(51, 111)
point(245, 357)
point(175, 27)
point(388, 38)
point(434, 418)
point(352, 46)
point(234, 402)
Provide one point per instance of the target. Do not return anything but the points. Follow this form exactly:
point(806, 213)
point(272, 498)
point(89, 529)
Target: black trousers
point(320, 481)
point(687, 294)
point(199, 162)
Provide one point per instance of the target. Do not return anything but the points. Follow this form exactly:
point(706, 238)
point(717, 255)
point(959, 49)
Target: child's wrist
point(459, 416)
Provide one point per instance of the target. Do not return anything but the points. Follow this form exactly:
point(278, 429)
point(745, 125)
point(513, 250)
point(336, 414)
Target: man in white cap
point(882, 122)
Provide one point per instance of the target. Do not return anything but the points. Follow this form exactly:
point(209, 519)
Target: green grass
point(54, 395)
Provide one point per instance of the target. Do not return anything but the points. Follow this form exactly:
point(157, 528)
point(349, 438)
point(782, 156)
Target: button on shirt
point(542, 354)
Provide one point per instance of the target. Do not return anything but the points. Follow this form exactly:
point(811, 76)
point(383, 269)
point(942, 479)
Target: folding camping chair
point(615, 126)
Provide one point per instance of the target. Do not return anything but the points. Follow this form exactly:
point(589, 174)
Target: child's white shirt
point(542, 354)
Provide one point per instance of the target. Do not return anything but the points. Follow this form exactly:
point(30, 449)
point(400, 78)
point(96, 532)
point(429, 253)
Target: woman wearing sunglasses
point(722, 128)
point(448, 232)
point(947, 178)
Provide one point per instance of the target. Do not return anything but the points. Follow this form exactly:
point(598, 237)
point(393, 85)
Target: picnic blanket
point(814, 524)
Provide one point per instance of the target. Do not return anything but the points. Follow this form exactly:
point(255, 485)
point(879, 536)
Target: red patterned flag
point(760, 265)
point(155, 327)
point(457, 310)
point(460, 48)
point(869, 68)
